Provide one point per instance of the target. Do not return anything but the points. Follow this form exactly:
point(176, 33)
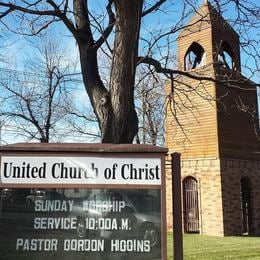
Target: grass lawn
point(212, 248)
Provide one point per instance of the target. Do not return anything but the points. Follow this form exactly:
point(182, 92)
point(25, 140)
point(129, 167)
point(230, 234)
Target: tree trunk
point(98, 94)
point(123, 122)
point(114, 109)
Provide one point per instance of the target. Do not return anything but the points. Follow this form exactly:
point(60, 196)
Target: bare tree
point(125, 23)
point(38, 99)
point(149, 100)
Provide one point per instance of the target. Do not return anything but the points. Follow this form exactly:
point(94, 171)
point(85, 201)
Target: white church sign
point(80, 170)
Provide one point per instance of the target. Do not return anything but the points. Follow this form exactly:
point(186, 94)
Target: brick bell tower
point(211, 123)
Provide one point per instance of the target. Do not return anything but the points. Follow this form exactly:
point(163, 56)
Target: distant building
point(219, 147)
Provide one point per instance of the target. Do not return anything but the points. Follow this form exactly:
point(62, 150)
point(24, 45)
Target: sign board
point(90, 205)
point(80, 170)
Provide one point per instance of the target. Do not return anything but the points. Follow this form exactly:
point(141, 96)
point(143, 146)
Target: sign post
point(82, 201)
point(177, 212)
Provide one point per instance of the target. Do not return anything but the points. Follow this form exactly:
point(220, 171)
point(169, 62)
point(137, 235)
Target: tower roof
point(206, 16)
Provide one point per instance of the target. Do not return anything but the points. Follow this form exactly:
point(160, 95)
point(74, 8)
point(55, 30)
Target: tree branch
point(56, 12)
point(227, 82)
point(81, 14)
point(6, 13)
point(109, 28)
point(64, 18)
point(153, 8)
point(13, 7)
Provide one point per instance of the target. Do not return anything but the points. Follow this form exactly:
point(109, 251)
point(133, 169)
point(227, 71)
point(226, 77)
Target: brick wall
point(219, 194)
point(207, 173)
point(232, 172)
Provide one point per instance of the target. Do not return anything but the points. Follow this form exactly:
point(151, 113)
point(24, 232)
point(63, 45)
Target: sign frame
point(101, 151)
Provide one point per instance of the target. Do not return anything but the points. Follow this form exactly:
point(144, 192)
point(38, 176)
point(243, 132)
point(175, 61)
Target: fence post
point(176, 206)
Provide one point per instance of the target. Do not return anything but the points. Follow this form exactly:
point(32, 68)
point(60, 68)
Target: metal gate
point(191, 207)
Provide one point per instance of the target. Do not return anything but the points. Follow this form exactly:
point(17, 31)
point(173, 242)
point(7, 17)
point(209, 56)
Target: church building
point(212, 123)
